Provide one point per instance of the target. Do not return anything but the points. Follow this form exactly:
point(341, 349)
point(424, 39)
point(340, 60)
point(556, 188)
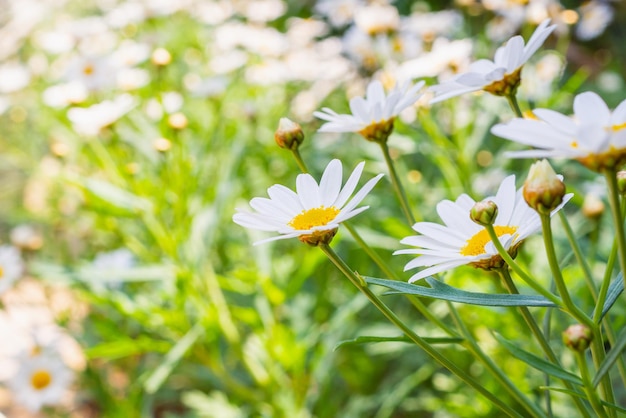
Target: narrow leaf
point(611, 358)
point(439, 290)
point(615, 289)
point(582, 396)
point(538, 363)
point(368, 339)
point(161, 373)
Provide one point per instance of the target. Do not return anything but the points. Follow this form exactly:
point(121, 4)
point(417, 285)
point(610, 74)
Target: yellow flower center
point(40, 379)
point(476, 244)
point(88, 69)
point(310, 218)
point(1, 272)
point(619, 127)
point(574, 144)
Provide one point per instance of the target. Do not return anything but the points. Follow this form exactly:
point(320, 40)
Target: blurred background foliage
point(175, 312)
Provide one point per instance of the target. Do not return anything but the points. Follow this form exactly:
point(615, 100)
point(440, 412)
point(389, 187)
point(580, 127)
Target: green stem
point(597, 348)
point(470, 343)
point(517, 269)
point(579, 256)
point(528, 318)
point(434, 353)
point(556, 272)
point(592, 396)
point(415, 301)
point(397, 184)
point(618, 222)
point(299, 160)
point(514, 105)
point(539, 335)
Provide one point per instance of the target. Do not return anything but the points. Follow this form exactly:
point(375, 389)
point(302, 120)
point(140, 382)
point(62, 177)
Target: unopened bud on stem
point(543, 189)
point(577, 337)
point(289, 134)
point(484, 213)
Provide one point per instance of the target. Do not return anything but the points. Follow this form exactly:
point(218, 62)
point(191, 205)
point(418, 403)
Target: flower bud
point(593, 206)
point(621, 182)
point(161, 57)
point(577, 337)
point(484, 213)
point(289, 134)
point(543, 189)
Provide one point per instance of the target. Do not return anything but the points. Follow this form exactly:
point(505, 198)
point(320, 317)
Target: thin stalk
point(597, 348)
point(556, 273)
point(430, 350)
point(579, 256)
point(517, 269)
point(618, 222)
point(592, 396)
point(528, 318)
point(397, 184)
point(539, 336)
point(299, 160)
point(514, 105)
point(415, 301)
point(471, 345)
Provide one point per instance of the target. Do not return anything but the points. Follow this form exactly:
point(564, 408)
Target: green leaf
point(126, 347)
point(439, 290)
point(582, 396)
point(161, 373)
point(112, 195)
point(615, 289)
point(611, 358)
point(90, 274)
point(538, 363)
point(404, 339)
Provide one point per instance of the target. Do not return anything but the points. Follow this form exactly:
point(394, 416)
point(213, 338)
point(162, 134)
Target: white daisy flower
point(41, 379)
point(595, 136)
point(373, 115)
point(461, 241)
point(500, 76)
point(314, 212)
point(11, 266)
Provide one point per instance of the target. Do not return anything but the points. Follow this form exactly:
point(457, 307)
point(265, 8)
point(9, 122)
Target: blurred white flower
point(595, 16)
point(263, 10)
point(13, 77)
point(11, 267)
point(91, 120)
point(94, 72)
point(445, 60)
point(62, 95)
point(377, 18)
point(338, 12)
point(539, 78)
point(42, 379)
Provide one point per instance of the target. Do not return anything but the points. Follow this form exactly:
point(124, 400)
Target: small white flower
point(11, 266)
point(461, 241)
point(595, 16)
point(594, 135)
point(375, 109)
point(487, 75)
point(41, 379)
point(91, 120)
point(312, 210)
